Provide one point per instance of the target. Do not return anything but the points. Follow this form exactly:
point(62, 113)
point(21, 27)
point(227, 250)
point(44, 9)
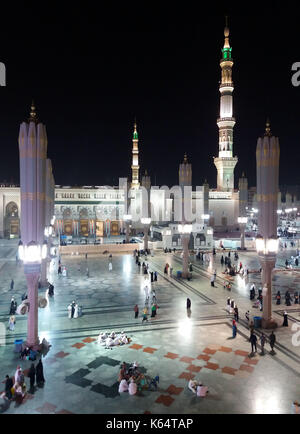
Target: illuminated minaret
point(225, 162)
point(135, 159)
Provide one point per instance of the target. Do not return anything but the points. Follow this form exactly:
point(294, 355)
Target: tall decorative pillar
point(267, 164)
point(32, 249)
point(243, 202)
point(185, 180)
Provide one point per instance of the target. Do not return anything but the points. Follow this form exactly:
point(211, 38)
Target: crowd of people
point(132, 380)
point(15, 386)
point(112, 339)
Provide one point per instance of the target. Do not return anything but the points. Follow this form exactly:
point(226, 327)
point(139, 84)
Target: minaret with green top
point(135, 159)
point(225, 163)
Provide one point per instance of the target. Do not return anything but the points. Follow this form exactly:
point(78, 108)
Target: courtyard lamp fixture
point(32, 253)
point(266, 246)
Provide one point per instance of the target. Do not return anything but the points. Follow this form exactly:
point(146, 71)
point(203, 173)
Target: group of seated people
point(131, 379)
point(28, 353)
point(112, 339)
point(198, 388)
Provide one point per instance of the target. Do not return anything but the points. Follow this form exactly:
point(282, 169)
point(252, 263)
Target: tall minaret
point(225, 163)
point(135, 159)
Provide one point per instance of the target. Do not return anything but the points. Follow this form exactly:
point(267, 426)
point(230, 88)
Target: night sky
point(91, 71)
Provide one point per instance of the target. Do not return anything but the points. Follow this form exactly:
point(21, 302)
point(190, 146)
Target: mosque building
point(99, 211)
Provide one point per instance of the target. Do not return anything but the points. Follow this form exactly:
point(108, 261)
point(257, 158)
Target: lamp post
point(146, 222)
point(242, 222)
point(127, 218)
point(32, 247)
point(185, 231)
point(267, 164)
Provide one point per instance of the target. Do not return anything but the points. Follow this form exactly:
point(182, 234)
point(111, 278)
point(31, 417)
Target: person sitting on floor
point(123, 387)
point(132, 388)
point(202, 390)
point(193, 386)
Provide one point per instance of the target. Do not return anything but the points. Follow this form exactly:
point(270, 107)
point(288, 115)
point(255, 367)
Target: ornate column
point(267, 163)
point(32, 249)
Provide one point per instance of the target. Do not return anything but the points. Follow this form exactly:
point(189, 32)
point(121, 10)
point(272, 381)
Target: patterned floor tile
point(136, 346)
point(225, 349)
point(173, 390)
point(187, 376)
point(251, 361)
point(186, 359)
point(77, 378)
point(228, 370)
point(102, 360)
point(193, 368)
point(78, 345)
point(166, 400)
point(241, 353)
point(46, 408)
point(61, 354)
point(209, 351)
point(149, 350)
point(88, 340)
point(203, 357)
point(213, 366)
point(171, 356)
point(108, 392)
point(246, 368)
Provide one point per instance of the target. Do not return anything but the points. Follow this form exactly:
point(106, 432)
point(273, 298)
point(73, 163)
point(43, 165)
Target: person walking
point(247, 316)
point(234, 329)
point(222, 260)
point(11, 323)
point(8, 386)
point(253, 341)
point(13, 306)
point(262, 344)
point(188, 303)
point(236, 314)
point(136, 311)
point(12, 283)
point(212, 280)
point(153, 310)
point(145, 314)
point(272, 340)
point(39, 373)
point(155, 276)
point(285, 319)
point(31, 375)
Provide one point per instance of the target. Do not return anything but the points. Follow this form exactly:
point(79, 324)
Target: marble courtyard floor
point(81, 376)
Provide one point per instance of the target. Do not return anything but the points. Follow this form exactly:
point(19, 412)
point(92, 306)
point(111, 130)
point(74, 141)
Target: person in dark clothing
point(59, 270)
point(39, 373)
point(51, 290)
point(31, 375)
point(12, 283)
point(188, 303)
point(278, 297)
point(152, 279)
point(296, 297)
point(8, 386)
point(136, 311)
point(73, 309)
point(253, 341)
point(236, 314)
point(286, 263)
point(13, 306)
point(222, 260)
point(272, 340)
point(296, 262)
point(287, 298)
point(285, 320)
